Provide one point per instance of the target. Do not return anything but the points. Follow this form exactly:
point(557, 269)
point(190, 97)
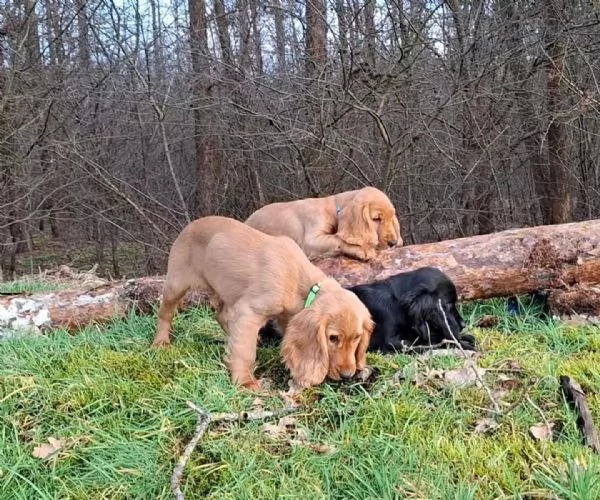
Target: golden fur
point(252, 277)
point(366, 222)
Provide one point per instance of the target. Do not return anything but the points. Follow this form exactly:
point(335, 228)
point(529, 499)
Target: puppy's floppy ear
point(363, 346)
point(397, 229)
point(355, 225)
point(421, 306)
point(304, 348)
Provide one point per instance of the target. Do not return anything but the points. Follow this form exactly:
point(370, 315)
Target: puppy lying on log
point(252, 278)
point(353, 223)
point(413, 311)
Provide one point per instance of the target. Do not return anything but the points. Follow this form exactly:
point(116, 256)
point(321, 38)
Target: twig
point(539, 410)
point(460, 347)
point(575, 395)
point(204, 419)
point(425, 354)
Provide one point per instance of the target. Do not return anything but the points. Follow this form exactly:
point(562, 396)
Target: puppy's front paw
point(468, 343)
point(370, 254)
point(363, 254)
point(252, 385)
point(161, 341)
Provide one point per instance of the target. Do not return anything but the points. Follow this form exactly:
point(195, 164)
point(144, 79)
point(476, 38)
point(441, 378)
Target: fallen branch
point(507, 263)
point(201, 426)
point(204, 420)
point(575, 396)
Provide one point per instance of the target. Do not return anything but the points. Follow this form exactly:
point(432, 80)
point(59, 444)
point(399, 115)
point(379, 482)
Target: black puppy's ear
point(420, 305)
point(419, 302)
point(431, 319)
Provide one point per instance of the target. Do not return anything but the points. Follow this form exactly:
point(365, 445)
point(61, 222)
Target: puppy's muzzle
point(346, 376)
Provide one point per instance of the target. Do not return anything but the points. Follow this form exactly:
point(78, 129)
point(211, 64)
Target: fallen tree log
point(511, 262)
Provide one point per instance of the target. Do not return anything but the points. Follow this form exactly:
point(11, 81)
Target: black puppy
point(413, 311)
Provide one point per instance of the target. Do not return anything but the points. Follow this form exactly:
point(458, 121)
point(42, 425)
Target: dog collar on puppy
point(314, 290)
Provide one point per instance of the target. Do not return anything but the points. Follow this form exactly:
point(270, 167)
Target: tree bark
point(207, 155)
point(559, 187)
point(511, 262)
point(316, 36)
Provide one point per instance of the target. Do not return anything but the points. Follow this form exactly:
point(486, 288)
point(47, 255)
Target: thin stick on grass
point(204, 420)
point(539, 410)
point(575, 396)
point(460, 347)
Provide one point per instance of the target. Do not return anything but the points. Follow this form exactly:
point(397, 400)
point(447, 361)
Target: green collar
point(314, 290)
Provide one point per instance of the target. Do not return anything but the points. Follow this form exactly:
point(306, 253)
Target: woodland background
point(120, 121)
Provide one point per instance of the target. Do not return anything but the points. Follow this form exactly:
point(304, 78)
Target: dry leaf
point(321, 448)
point(507, 383)
point(284, 426)
point(291, 396)
point(487, 321)
point(515, 366)
point(364, 374)
point(286, 429)
point(265, 384)
point(465, 376)
point(576, 320)
point(542, 431)
point(48, 449)
point(486, 426)
point(273, 430)
point(498, 394)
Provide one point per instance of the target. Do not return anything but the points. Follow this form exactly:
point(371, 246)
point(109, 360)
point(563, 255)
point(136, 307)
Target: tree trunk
point(278, 20)
point(207, 160)
point(508, 263)
point(316, 36)
point(559, 190)
point(223, 31)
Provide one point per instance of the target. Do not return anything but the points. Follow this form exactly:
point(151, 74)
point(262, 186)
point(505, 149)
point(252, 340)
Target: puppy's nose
point(346, 375)
point(392, 243)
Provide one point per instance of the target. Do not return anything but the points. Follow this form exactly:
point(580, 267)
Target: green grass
point(120, 407)
point(26, 286)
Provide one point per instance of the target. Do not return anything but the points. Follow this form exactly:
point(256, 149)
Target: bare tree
point(120, 122)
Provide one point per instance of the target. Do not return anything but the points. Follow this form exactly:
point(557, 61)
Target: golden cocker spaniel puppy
point(353, 223)
point(252, 277)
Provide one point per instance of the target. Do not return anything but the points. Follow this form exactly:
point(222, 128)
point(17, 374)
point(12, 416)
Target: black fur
point(406, 311)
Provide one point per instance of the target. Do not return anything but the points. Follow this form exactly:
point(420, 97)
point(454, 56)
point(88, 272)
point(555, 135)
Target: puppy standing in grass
point(251, 278)
point(354, 223)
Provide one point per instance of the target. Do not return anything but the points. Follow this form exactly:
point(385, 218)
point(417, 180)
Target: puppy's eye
point(333, 339)
point(377, 218)
point(357, 337)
